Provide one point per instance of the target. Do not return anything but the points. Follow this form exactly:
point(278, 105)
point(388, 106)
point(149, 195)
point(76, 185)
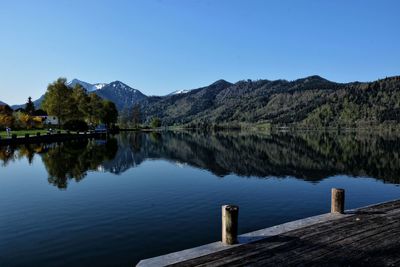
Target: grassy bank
point(21, 133)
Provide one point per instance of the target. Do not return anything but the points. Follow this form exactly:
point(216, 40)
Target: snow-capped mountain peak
point(121, 86)
point(98, 86)
point(118, 92)
point(121, 94)
point(87, 86)
point(178, 92)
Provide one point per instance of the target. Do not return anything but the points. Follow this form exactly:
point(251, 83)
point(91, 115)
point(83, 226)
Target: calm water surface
point(134, 196)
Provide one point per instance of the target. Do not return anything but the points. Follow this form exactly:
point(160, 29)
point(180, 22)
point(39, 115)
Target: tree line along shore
point(72, 109)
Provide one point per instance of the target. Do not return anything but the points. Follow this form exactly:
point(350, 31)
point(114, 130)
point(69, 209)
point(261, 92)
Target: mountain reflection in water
point(310, 156)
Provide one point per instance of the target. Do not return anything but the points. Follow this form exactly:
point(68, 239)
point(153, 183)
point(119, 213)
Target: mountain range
point(118, 92)
point(121, 94)
point(312, 100)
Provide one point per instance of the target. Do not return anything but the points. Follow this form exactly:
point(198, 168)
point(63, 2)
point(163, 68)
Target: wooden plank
point(325, 245)
point(293, 253)
point(367, 252)
point(381, 208)
point(211, 248)
point(371, 235)
point(303, 251)
point(343, 248)
point(264, 244)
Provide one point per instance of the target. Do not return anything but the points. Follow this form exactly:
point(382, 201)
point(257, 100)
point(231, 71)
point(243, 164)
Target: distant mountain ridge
point(2, 103)
point(312, 101)
point(87, 86)
point(118, 92)
point(177, 92)
point(121, 94)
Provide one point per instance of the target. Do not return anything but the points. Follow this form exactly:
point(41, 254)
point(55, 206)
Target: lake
point(138, 195)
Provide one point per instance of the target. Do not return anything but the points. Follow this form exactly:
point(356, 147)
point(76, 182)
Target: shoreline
point(50, 138)
point(59, 137)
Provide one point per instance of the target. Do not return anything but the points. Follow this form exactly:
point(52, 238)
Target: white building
point(49, 120)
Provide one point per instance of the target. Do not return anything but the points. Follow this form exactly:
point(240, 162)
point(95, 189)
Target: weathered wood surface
point(337, 202)
point(230, 215)
point(369, 237)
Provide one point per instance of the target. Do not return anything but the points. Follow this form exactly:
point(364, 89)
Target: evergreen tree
point(30, 107)
point(110, 113)
point(155, 122)
point(95, 109)
point(123, 119)
point(136, 116)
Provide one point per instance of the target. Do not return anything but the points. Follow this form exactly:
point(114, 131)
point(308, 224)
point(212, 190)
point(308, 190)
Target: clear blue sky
point(166, 45)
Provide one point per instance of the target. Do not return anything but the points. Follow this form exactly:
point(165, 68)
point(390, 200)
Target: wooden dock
point(368, 236)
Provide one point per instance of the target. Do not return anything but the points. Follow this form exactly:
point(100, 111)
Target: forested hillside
point(309, 102)
point(312, 101)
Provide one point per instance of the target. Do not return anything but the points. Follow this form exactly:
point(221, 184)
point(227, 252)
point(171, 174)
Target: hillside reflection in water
point(310, 156)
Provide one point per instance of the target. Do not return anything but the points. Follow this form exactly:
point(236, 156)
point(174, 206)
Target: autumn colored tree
point(6, 116)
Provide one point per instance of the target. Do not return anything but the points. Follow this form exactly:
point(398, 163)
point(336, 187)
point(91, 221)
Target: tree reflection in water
point(64, 161)
point(310, 156)
point(72, 160)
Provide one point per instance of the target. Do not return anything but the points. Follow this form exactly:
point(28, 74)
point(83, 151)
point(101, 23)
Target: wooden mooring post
point(338, 238)
point(337, 204)
point(230, 214)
